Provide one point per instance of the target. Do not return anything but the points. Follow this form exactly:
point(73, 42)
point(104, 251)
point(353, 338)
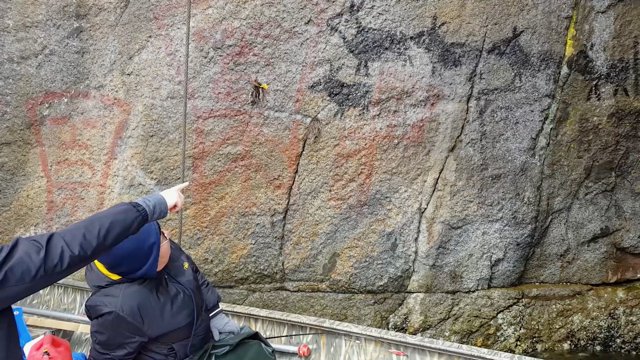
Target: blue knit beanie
point(137, 256)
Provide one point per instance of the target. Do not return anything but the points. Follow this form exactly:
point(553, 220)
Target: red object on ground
point(304, 351)
point(398, 352)
point(50, 348)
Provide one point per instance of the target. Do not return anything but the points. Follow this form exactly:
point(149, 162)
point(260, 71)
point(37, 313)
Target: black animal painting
point(448, 54)
point(365, 43)
point(618, 73)
point(511, 50)
point(615, 74)
point(369, 44)
point(345, 95)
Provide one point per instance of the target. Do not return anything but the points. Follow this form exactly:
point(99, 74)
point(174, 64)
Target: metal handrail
point(57, 315)
point(348, 330)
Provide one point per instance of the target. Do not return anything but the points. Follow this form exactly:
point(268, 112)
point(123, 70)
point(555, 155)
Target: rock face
point(90, 108)
point(586, 230)
point(529, 318)
point(412, 165)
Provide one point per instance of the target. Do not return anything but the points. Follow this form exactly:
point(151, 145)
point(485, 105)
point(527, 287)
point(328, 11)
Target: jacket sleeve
point(210, 294)
point(31, 263)
point(114, 337)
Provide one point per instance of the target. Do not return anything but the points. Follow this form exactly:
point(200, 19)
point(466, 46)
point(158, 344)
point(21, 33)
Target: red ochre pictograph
point(233, 148)
point(360, 148)
point(231, 128)
point(357, 156)
point(77, 134)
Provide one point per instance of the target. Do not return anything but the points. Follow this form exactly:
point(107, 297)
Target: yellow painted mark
point(571, 36)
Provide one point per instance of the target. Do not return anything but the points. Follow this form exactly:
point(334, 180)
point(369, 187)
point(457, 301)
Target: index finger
point(181, 186)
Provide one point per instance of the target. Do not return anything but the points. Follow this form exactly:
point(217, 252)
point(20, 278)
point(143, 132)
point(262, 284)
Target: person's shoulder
point(133, 300)
point(178, 255)
point(180, 260)
point(119, 297)
point(102, 301)
point(175, 247)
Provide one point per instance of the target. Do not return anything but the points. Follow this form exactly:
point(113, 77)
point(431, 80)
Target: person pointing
point(29, 264)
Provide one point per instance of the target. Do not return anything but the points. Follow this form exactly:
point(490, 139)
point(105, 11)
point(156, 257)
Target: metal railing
point(328, 339)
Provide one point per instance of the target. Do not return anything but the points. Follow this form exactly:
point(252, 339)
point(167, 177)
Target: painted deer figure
point(365, 43)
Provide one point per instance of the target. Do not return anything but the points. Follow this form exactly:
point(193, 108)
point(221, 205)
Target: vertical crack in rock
point(421, 212)
point(422, 209)
point(311, 132)
point(124, 10)
point(543, 137)
point(472, 78)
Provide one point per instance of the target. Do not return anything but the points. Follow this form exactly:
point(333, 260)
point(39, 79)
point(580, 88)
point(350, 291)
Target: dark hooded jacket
point(32, 263)
point(162, 317)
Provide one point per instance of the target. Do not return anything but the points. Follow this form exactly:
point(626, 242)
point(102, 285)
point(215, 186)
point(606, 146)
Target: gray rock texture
point(364, 309)
point(533, 319)
point(587, 230)
point(91, 110)
point(414, 164)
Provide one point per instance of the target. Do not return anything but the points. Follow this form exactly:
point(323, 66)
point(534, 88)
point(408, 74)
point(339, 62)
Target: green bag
point(245, 345)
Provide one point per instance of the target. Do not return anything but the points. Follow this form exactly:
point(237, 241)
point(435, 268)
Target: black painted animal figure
point(448, 54)
point(365, 43)
point(345, 95)
point(369, 44)
point(511, 50)
point(616, 74)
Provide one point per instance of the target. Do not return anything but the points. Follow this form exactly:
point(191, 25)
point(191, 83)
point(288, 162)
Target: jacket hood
point(134, 258)
point(97, 280)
